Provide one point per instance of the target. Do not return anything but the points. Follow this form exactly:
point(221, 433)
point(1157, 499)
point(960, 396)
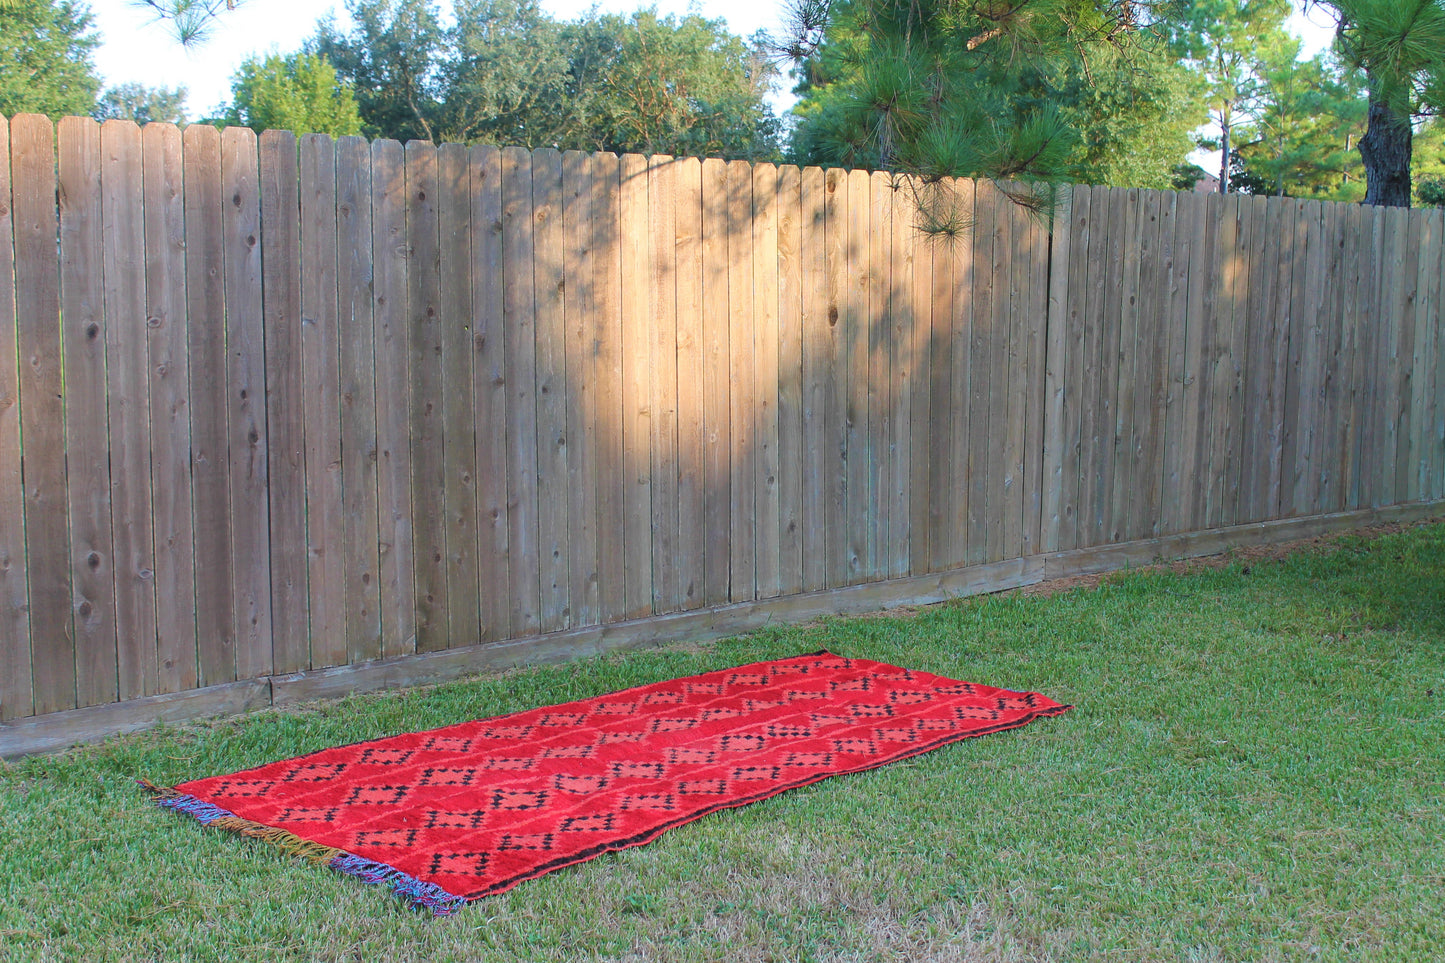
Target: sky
point(136, 49)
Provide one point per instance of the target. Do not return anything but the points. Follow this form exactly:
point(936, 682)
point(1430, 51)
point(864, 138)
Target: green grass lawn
point(1255, 770)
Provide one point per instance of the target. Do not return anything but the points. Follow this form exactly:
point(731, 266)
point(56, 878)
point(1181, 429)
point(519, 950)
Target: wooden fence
point(288, 403)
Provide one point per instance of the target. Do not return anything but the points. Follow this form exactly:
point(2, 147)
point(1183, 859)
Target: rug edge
point(416, 892)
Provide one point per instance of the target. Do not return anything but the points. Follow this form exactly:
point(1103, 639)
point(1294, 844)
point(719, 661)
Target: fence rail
point(290, 403)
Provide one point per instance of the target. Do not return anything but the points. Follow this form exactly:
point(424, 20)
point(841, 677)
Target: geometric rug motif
point(470, 810)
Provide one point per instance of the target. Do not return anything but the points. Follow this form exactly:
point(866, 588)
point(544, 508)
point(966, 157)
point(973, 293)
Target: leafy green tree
point(299, 92)
point(1023, 90)
point(1427, 167)
point(45, 58)
point(142, 104)
point(1308, 116)
point(1400, 47)
point(1223, 41)
point(392, 58)
point(504, 72)
point(682, 86)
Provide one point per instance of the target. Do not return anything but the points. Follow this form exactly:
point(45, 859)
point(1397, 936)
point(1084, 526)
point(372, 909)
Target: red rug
point(458, 813)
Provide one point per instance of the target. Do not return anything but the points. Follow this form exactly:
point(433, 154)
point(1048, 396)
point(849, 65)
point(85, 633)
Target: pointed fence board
point(321, 401)
point(16, 695)
point(210, 433)
point(82, 316)
point(391, 343)
point(458, 407)
point(361, 538)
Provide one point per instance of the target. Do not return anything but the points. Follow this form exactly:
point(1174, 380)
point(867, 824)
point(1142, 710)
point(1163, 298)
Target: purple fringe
point(191, 806)
point(416, 892)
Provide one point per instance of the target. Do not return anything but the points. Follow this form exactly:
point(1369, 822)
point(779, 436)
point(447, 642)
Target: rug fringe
point(416, 892)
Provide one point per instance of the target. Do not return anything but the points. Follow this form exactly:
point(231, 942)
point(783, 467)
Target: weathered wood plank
point(16, 697)
point(611, 477)
point(1004, 505)
point(210, 442)
point(1372, 354)
point(1408, 279)
point(87, 455)
point(1095, 468)
point(1012, 398)
point(816, 369)
point(834, 362)
point(1151, 401)
point(790, 382)
point(1259, 361)
point(662, 423)
point(246, 402)
point(428, 439)
point(1138, 248)
point(1032, 340)
point(767, 505)
point(716, 378)
point(977, 469)
point(321, 401)
point(1432, 455)
point(1310, 330)
point(1437, 401)
point(519, 326)
point(857, 333)
point(1351, 368)
point(1074, 322)
point(919, 252)
point(952, 296)
point(1329, 410)
point(1236, 351)
point(1056, 362)
point(127, 389)
point(1394, 296)
point(1277, 349)
point(355, 294)
point(390, 322)
point(172, 505)
point(902, 372)
point(1220, 361)
point(281, 286)
point(553, 544)
point(1296, 224)
point(61, 730)
point(636, 388)
point(742, 485)
point(579, 304)
point(1180, 261)
point(691, 421)
point(489, 393)
point(879, 328)
point(458, 407)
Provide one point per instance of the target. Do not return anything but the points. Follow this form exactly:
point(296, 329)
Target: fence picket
point(210, 434)
point(246, 402)
point(16, 697)
point(87, 467)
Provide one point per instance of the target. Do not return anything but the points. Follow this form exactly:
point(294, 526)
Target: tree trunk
point(1385, 149)
point(1224, 160)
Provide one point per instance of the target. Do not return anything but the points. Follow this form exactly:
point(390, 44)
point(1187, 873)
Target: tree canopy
point(141, 104)
point(300, 92)
point(503, 71)
point(45, 58)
